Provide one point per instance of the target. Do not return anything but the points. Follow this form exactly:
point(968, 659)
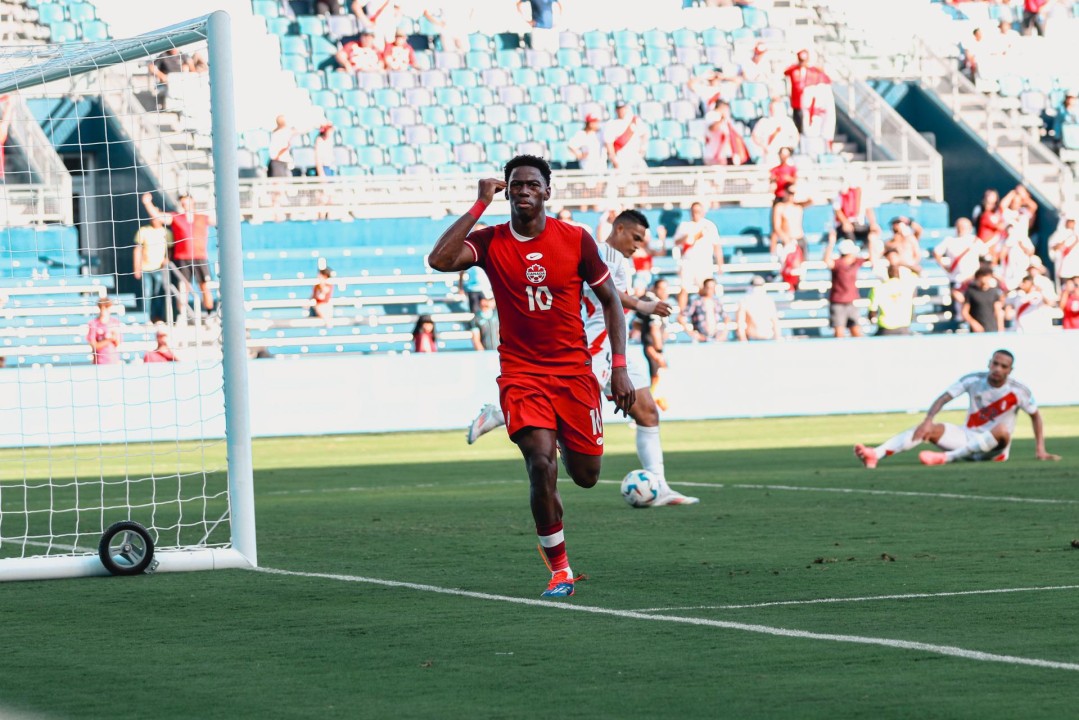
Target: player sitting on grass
point(628, 233)
point(994, 402)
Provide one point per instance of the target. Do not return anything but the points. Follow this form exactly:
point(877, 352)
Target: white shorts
point(635, 364)
point(957, 436)
point(693, 276)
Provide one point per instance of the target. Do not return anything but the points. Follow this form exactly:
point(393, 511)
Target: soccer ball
point(640, 488)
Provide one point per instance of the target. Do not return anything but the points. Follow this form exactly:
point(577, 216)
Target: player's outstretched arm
point(621, 386)
point(644, 307)
point(450, 253)
point(1039, 438)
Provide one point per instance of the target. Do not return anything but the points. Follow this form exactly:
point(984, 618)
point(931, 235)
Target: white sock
point(650, 452)
point(568, 570)
point(897, 444)
point(982, 442)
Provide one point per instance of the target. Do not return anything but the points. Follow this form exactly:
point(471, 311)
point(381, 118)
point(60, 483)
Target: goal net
point(123, 386)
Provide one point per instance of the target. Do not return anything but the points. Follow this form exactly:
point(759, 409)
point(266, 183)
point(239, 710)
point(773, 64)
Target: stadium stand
point(407, 144)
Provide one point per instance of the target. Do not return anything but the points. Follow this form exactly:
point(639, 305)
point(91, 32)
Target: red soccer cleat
point(928, 457)
point(868, 456)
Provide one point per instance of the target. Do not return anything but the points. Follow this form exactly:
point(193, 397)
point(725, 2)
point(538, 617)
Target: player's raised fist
point(489, 187)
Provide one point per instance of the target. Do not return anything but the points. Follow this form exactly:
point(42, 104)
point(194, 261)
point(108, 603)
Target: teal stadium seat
point(63, 32)
point(353, 136)
point(689, 149)
point(754, 91)
point(265, 8)
point(479, 42)
point(560, 113)
point(657, 150)
point(509, 59)
point(628, 56)
point(568, 58)
point(353, 171)
point(546, 132)
point(294, 64)
point(449, 97)
point(324, 98)
point(529, 114)
point(466, 115)
point(626, 39)
point(386, 98)
point(495, 77)
point(743, 110)
point(339, 80)
point(451, 135)
point(499, 153)
point(312, 25)
point(555, 76)
point(402, 156)
point(482, 133)
point(560, 154)
point(385, 135)
point(434, 115)
point(295, 45)
point(633, 93)
point(340, 117)
point(542, 95)
point(656, 38)
point(434, 154)
point(310, 80)
point(594, 39)
point(354, 98)
point(647, 75)
point(605, 94)
point(714, 37)
point(665, 92)
point(464, 78)
point(671, 130)
point(450, 169)
point(279, 26)
point(514, 133)
point(754, 18)
point(95, 31)
point(1069, 136)
point(385, 170)
point(478, 60)
point(496, 114)
point(370, 156)
point(685, 38)
point(658, 56)
point(49, 13)
point(526, 76)
point(585, 75)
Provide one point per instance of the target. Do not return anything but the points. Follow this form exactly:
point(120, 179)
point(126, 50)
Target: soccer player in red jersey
point(538, 266)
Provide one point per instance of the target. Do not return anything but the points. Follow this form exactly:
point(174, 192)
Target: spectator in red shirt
point(322, 294)
point(161, 353)
point(399, 55)
point(1069, 304)
point(989, 217)
point(424, 336)
point(843, 314)
point(191, 236)
point(1034, 16)
point(801, 75)
point(785, 174)
point(360, 55)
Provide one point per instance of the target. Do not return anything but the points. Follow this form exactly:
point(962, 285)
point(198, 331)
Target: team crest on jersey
point(533, 256)
point(536, 273)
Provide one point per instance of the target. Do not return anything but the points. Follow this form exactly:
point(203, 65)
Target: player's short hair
point(982, 272)
point(326, 272)
point(529, 161)
point(632, 216)
point(1005, 352)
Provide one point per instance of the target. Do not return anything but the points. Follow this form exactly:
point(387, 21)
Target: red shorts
point(571, 406)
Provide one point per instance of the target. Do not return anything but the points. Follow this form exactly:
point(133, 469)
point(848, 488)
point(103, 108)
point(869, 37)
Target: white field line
point(947, 650)
point(868, 598)
point(716, 486)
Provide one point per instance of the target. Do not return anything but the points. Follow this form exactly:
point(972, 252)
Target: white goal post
point(83, 444)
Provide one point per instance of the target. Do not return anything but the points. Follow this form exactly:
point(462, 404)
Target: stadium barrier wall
point(443, 391)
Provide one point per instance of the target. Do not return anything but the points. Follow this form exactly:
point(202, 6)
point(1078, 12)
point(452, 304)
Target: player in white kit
point(628, 233)
point(995, 400)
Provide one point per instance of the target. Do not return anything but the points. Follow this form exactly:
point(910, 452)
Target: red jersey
point(191, 235)
point(783, 176)
point(990, 224)
point(1070, 305)
point(538, 285)
point(801, 78)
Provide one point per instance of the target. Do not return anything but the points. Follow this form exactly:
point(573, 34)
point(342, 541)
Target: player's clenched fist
point(489, 187)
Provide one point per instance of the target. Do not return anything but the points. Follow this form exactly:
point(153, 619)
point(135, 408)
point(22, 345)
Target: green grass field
point(688, 612)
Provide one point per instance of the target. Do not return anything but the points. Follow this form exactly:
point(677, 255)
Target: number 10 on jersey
point(539, 297)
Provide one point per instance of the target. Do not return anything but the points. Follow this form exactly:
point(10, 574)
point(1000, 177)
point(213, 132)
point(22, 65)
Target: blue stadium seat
point(604, 94)
point(684, 37)
point(265, 8)
point(404, 115)
point(538, 59)
point(464, 78)
point(714, 37)
point(449, 169)
point(743, 110)
point(560, 154)
point(65, 32)
point(49, 13)
point(402, 155)
point(542, 94)
point(596, 39)
point(449, 96)
point(295, 45)
point(279, 26)
point(499, 153)
point(665, 92)
point(353, 136)
point(628, 56)
point(555, 76)
point(615, 75)
point(468, 153)
point(417, 135)
point(448, 60)
point(341, 117)
point(689, 149)
point(385, 135)
point(574, 94)
point(311, 25)
point(1069, 136)
point(452, 135)
point(81, 13)
point(295, 64)
point(569, 58)
point(509, 59)
point(434, 115)
point(546, 132)
point(657, 150)
point(386, 98)
point(526, 76)
point(402, 80)
point(514, 133)
point(353, 171)
point(354, 98)
point(482, 133)
point(419, 97)
point(310, 80)
point(371, 81)
point(340, 80)
point(626, 39)
point(479, 42)
point(496, 114)
point(478, 60)
point(633, 93)
point(385, 170)
point(508, 41)
point(511, 95)
point(95, 31)
point(754, 18)
point(324, 98)
point(656, 38)
point(466, 115)
point(529, 114)
point(660, 57)
point(651, 111)
point(560, 113)
point(434, 154)
point(434, 78)
point(755, 91)
point(647, 75)
point(370, 156)
point(585, 75)
point(671, 130)
point(495, 77)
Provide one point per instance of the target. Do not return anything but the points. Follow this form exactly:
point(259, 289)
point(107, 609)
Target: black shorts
point(858, 233)
point(194, 271)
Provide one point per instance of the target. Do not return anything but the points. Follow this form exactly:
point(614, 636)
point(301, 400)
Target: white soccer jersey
point(595, 329)
point(992, 406)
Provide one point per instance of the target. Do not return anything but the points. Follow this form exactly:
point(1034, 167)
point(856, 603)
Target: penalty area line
point(946, 650)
